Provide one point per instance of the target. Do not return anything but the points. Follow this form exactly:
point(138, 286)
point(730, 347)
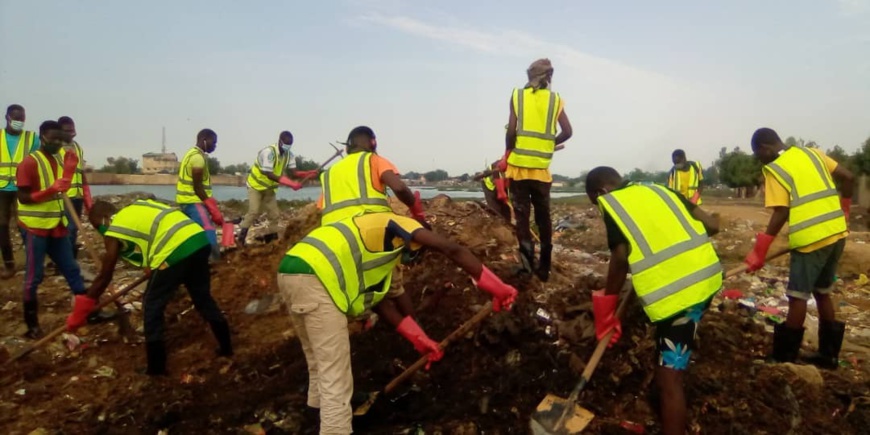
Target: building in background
point(160, 163)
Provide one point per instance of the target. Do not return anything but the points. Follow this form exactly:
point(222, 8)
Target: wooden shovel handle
point(743, 266)
point(462, 330)
point(78, 223)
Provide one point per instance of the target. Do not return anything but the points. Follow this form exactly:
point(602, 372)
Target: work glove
point(417, 208)
point(755, 259)
point(604, 310)
point(89, 200)
point(70, 163)
point(83, 306)
point(695, 198)
point(846, 205)
point(212, 206)
point(502, 164)
point(286, 181)
point(501, 189)
point(307, 174)
point(503, 295)
point(412, 332)
point(61, 185)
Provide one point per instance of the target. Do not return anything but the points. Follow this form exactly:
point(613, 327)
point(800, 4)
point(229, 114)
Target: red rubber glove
point(413, 333)
point(501, 189)
point(83, 306)
point(70, 163)
point(604, 310)
point(89, 200)
point(417, 208)
point(502, 164)
point(212, 206)
point(846, 205)
point(60, 185)
point(286, 181)
point(694, 199)
point(307, 174)
point(755, 259)
point(503, 295)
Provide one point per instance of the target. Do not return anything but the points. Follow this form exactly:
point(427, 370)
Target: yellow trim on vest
point(9, 164)
point(257, 180)
point(694, 181)
point(49, 214)
point(184, 192)
point(76, 185)
point(348, 189)
point(155, 228)
point(536, 130)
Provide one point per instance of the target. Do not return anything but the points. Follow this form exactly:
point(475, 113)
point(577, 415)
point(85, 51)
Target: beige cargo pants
point(259, 201)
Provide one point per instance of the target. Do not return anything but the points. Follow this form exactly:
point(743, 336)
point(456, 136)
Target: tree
point(861, 159)
point(640, 175)
point(121, 165)
point(412, 175)
point(436, 175)
point(304, 164)
point(839, 154)
point(214, 165)
point(464, 178)
point(738, 169)
point(241, 168)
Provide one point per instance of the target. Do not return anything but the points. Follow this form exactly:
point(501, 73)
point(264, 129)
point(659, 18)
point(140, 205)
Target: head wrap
point(540, 72)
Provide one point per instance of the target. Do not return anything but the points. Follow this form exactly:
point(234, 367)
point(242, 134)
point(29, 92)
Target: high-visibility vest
point(355, 278)
point(487, 182)
point(9, 163)
point(49, 214)
point(694, 180)
point(537, 119)
point(348, 189)
point(673, 264)
point(184, 193)
point(76, 185)
point(814, 204)
point(257, 180)
point(155, 228)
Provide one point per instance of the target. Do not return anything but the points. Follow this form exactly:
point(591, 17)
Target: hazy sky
point(433, 79)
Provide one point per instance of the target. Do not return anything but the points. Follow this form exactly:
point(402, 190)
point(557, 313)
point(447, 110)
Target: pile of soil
point(489, 382)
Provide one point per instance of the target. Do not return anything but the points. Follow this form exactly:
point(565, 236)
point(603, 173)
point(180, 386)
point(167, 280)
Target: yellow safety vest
point(9, 163)
point(487, 182)
point(155, 228)
point(49, 214)
point(76, 186)
point(694, 180)
point(348, 189)
point(184, 193)
point(257, 180)
point(537, 119)
point(673, 264)
point(355, 278)
point(814, 204)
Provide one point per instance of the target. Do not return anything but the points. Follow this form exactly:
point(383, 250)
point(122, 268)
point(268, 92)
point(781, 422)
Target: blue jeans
point(60, 252)
point(199, 214)
point(79, 205)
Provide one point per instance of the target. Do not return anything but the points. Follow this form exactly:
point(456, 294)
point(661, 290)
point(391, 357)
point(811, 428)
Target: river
point(223, 193)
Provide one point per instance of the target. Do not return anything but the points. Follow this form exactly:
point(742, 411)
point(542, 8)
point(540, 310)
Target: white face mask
point(285, 148)
point(16, 125)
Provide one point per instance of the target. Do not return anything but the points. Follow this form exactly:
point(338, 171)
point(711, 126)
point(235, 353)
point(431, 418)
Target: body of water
point(223, 193)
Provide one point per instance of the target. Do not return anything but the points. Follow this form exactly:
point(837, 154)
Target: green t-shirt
point(292, 265)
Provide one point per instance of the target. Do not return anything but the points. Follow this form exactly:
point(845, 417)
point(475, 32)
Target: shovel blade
point(363, 409)
point(550, 410)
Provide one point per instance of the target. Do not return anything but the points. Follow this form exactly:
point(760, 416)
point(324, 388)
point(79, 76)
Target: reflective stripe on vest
point(156, 228)
point(814, 204)
point(259, 181)
point(9, 163)
point(184, 192)
point(694, 180)
point(75, 189)
point(355, 278)
point(49, 214)
point(672, 261)
point(536, 129)
point(348, 189)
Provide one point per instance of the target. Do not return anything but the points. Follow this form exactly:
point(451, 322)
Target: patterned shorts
point(675, 336)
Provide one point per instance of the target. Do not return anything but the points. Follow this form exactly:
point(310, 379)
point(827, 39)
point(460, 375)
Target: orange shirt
point(379, 165)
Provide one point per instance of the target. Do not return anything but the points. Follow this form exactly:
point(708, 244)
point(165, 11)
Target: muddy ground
point(489, 382)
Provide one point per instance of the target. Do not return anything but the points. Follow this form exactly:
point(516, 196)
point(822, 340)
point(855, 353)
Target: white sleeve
point(291, 162)
point(266, 159)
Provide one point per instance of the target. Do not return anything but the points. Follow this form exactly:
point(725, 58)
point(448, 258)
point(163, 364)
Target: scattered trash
point(732, 294)
point(188, 378)
point(71, 341)
point(104, 372)
point(543, 315)
point(21, 392)
point(862, 280)
point(632, 427)
point(9, 306)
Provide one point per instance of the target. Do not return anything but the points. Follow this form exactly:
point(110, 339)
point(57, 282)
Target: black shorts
point(814, 272)
point(675, 336)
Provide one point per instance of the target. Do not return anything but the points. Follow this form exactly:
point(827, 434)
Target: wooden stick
point(113, 299)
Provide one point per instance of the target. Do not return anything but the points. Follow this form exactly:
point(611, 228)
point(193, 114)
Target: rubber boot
point(221, 332)
point(156, 354)
point(527, 256)
point(830, 341)
point(9, 271)
point(31, 319)
point(786, 343)
point(543, 270)
point(243, 235)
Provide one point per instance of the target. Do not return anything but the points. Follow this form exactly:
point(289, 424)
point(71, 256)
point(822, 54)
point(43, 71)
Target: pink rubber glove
point(412, 332)
point(846, 205)
point(501, 189)
point(604, 310)
point(755, 259)
point(89, 200)
point(307, 174)
point(286, 181)
point(694, 199)
point(503, 295)
point(60, 185)
point(212, 206)
point(79, 316)
point(502, 164)
point(417, 208)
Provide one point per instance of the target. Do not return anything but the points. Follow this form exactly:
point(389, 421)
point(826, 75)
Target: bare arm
point(198, 174)
point(617, 270)
point(565, 127)
point(846, 179)
point(104, 278)
point(510, 138)
point(24, 195)
point(777, 220)
point(455, 252)
point(711, 222)
point(389, 311)
point(392, 180)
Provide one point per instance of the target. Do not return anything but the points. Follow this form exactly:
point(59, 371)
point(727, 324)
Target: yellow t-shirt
point(374, 228)
point(196, 161)
point(685, 179)
point(542, 175)
point(775, 195)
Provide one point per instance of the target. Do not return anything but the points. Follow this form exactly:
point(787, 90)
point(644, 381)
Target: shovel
point(60, 329)
point(558, 416)
point(125, 329)
point(459, 332)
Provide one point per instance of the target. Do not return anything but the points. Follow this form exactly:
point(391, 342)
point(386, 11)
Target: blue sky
point(434, 78)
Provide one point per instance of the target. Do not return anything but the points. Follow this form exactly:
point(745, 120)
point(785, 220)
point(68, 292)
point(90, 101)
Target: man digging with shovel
point(662, 238)
point(345, 268)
